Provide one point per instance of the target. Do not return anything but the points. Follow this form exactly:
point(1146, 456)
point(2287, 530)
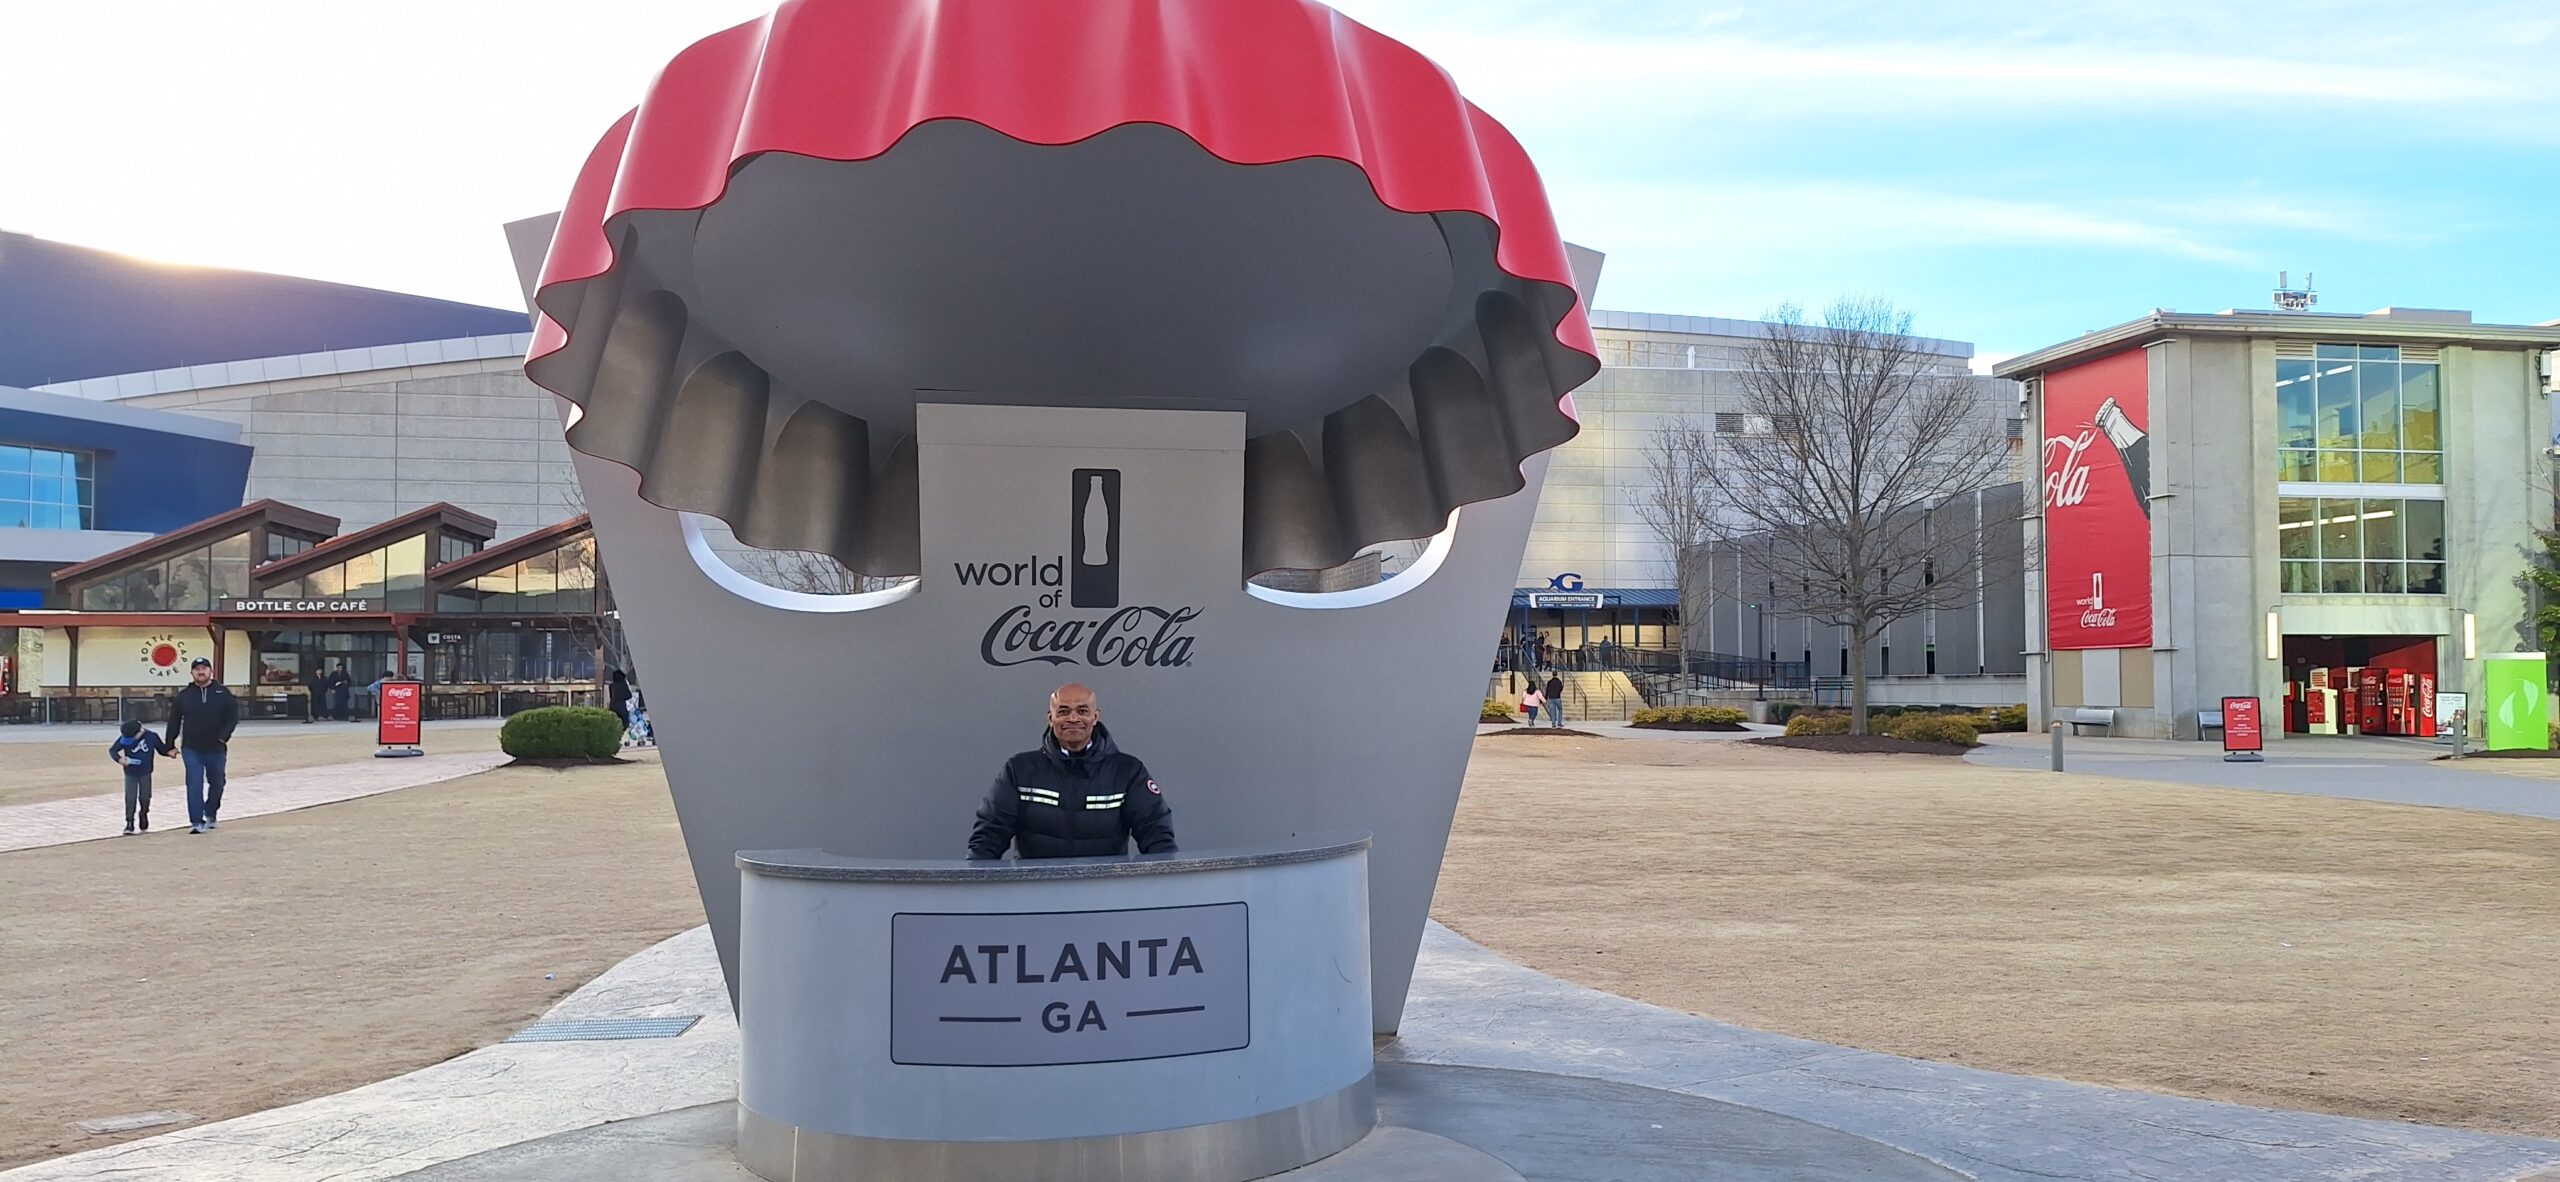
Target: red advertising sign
point(2097, 503)
point(2240, 725)
point(397, 725)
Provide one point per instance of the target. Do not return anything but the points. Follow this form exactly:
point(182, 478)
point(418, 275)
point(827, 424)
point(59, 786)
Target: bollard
point(2057, 746)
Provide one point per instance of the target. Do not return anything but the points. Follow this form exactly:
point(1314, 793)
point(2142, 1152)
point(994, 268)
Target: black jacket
point(201, 718)
point(1086, 805)
point(1555, 688)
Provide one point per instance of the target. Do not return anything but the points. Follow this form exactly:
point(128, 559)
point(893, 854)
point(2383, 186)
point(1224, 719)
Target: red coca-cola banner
point(2097, 506)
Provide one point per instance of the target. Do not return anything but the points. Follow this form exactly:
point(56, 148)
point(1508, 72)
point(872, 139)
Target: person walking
point(1529, 703)
point(1555, 699)
point(201, 719)
point(315, 694)
point(617, 697)
point(134, 753)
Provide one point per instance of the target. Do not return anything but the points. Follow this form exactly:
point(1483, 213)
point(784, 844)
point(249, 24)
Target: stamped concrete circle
point(1437, 1124)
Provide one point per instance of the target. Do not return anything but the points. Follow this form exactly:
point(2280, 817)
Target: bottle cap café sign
point(243, 605)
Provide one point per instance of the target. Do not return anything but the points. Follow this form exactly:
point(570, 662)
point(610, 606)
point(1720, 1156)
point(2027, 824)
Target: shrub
point(1824, 722)
point(1780, 712)
point(1495, 711)
point(1689, 716)
point(561, 732)
point(1933, 728)
point(2003, 718)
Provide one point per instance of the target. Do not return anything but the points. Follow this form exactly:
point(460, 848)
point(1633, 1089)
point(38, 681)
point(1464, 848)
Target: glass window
point(2341, 534)
point(328, 582)
point(2382, 529)
point(188, 582)
point(2418, 408)
point(288, 589)
point(2297, 534)
point(2366, 416)
point(142, 589)
point(2373, 546)
point(231, 566)
point(538, 582)
point(2337, 407)
point(2424, 530)
point(405, 574)
point(364, 576)
point(2295, 406)
point(2379, 388)
point(578, 578)
point(496, 590)
point(42, 488)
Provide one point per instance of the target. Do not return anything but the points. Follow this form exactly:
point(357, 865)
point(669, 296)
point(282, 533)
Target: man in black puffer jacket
point(1077, 796)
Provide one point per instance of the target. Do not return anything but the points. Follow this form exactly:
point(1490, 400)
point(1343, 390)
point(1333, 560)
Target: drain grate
point(606, 1029)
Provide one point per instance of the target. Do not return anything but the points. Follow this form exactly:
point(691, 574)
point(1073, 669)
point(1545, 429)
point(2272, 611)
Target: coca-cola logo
point(2066, 468)
point(1049, 630)
point(1132, 637)
point(2094, 612)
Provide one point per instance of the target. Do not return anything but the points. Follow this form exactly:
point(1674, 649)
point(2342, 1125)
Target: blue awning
point(1550, 599)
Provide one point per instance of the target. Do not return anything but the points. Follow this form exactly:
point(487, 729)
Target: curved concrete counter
point(1193, 1017)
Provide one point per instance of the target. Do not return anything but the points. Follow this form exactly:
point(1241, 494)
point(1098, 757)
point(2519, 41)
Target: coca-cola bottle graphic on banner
point(2133, 446)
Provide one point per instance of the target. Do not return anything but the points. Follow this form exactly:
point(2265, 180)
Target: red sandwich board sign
point(398, 718)
point(2242, 740)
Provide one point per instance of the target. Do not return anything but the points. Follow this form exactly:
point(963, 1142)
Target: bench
point(2084, 716)
point(2208, 720)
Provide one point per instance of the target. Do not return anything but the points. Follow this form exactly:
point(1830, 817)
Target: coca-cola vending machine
point(2426, 704)
point(2396, 692)
point(2370, 719)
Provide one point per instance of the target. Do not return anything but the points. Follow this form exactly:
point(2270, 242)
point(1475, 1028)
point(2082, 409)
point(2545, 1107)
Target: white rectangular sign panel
point(1044, 988)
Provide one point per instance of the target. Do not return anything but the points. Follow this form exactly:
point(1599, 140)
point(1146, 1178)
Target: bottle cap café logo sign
point(1076, 617)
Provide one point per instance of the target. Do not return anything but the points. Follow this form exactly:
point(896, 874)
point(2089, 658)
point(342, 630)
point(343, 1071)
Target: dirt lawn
point(32, 772)
point(293, 956)
point(2364, 959)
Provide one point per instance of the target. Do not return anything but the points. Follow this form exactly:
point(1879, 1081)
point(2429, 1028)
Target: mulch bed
point(566, 762)
point(1559, 732)
point(1859, 745)
point(1688, 726)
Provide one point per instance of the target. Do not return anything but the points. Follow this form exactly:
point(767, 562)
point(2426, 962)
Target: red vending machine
point(2395, 703)
point(2426, 699)
point(2368, 713)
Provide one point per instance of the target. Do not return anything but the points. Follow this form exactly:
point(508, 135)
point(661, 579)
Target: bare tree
point(809, 572)
point(1857, 441)
point(1677, 501)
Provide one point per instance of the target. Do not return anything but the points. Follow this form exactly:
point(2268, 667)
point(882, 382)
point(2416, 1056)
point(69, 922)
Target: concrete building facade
point(2318, 492)
point(1590, 534)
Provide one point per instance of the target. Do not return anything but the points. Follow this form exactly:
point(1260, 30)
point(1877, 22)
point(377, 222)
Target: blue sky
point(2013, 173)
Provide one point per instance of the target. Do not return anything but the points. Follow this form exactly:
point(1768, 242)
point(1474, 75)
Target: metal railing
point(442, 702)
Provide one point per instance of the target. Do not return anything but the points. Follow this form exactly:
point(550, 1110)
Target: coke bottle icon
point(1093, 578)
point(2133, 446)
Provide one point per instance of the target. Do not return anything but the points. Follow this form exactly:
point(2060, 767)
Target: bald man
point(1076, 796)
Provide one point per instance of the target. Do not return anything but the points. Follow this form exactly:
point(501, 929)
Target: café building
point(272, 593)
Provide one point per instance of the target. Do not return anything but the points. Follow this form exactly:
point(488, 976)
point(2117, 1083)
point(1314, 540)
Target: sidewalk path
point(2386, 770)
point(1469, 1007)
point(88, 818)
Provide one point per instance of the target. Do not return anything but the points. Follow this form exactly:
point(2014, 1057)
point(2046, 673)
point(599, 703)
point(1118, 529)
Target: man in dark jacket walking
point(201, 719)
point(1076, 796)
